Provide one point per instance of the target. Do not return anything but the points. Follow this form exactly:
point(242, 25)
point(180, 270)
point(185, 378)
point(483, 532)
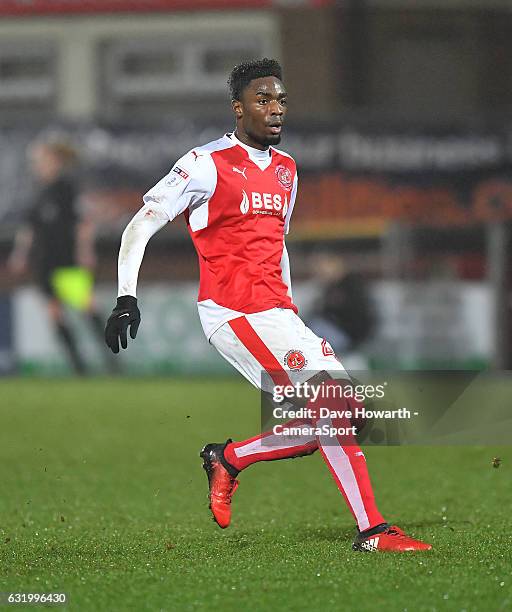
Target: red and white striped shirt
point(237, 202)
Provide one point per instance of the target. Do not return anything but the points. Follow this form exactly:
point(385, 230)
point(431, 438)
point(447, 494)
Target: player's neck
point(246, 142)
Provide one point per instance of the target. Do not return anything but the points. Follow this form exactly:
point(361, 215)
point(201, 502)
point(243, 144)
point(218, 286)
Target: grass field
point(102, 496)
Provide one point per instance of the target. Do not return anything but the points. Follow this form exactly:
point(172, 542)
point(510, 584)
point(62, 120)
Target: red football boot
point(388, 539)
point(222, 484)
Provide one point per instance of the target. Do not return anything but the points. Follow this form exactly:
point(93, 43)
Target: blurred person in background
point(344, 312)
point(57, 244)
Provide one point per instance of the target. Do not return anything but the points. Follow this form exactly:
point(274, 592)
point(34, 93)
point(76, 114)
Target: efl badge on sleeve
point(176, 176)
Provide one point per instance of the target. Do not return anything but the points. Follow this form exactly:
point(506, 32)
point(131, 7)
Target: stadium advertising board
point(353, 182)
point(447, 179)
point(173, 342)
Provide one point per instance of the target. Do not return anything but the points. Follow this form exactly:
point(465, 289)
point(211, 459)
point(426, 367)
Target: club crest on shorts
point(284, 176)
point(327, 349)
point(295, 360)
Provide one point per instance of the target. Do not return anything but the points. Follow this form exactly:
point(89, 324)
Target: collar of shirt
point(262, 159)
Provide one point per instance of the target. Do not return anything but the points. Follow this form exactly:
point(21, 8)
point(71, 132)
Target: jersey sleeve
point(293, 195)
point(190, 183)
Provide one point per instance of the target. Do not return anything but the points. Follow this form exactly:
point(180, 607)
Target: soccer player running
point(237, 194)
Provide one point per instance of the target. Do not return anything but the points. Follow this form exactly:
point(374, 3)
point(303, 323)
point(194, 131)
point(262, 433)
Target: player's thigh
point(275, 347)
point(234, 352)
point(295, 347)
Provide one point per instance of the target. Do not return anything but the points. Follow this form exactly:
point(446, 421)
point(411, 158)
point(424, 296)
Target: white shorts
point(275, 347)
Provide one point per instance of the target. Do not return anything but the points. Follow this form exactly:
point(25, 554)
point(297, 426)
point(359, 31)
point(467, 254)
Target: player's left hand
point(125, 314)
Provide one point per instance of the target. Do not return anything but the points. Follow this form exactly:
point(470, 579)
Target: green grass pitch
point(102, 496)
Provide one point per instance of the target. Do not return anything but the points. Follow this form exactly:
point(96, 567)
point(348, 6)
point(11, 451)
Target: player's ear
point(236, 105)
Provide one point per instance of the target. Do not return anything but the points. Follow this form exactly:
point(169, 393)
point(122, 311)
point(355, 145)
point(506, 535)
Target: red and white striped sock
point(269, 447)
point(347, 463)
point(342, 455)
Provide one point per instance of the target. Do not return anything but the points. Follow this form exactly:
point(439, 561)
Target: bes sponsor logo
point(284, 176)
point(264, 203)
point(295, 360)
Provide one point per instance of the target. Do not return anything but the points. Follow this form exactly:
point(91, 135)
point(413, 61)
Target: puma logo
point(242, 172)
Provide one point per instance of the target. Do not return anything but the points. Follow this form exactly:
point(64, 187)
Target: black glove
point(126, 313)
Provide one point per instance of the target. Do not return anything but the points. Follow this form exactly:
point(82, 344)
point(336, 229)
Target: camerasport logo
point(295, 360)
point(284, 176)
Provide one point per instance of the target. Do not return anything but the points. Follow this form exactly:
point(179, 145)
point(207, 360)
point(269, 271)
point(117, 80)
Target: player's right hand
point(125, 314)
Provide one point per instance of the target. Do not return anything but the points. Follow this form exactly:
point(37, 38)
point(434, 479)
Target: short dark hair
point(242, 74)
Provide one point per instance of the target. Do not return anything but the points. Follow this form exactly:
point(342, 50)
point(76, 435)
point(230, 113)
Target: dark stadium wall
point(309, 50)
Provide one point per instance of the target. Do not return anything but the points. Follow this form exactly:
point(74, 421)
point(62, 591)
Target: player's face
point(261, 111)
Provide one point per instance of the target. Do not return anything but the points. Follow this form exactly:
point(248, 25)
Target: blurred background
point(399, 121)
